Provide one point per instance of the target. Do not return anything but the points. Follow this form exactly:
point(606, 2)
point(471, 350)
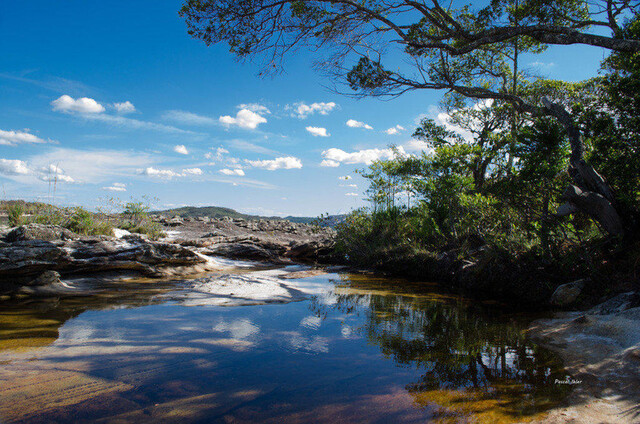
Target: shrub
point(14, 214)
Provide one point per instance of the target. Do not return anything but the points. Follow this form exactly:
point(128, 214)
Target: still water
point(365, 349)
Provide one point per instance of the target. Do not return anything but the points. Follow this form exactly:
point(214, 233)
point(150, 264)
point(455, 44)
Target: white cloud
point(345, 178)
point(330, 163)
point(245, 118)
point(124, 107)
point(349, 185)
point(238, 171)
point(362, 156)
point(542, 66)
point(303, 110)
point(13, 167)
point(180, 148)
point(357, 124)
point(288, 162)
point(93, 166)
point(83, 105)
point(12, 138)
point(394, 130)
point(162, 173)
point(255, 107)
point(169, 173)
point(192, 171)
point(318, 131)
point(414, 145)
point(351, 194)
point(445, 119)
point(218, 155)
point(188, 118)
point(53, 173)
point(115, 188)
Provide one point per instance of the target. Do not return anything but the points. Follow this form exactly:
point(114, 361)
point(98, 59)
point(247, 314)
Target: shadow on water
point(366, 350)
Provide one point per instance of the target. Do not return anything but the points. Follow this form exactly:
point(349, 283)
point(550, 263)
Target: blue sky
point(114, 99)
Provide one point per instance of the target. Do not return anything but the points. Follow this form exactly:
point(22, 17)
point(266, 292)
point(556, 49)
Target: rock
point(567, 294)
point(32, 258)
point(119, 233)
point(40, 232)
point(244, 250)
point(616, 304)
point(47, 278)
point(175, 221)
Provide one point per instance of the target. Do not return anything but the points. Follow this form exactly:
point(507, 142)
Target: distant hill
point(220, 212)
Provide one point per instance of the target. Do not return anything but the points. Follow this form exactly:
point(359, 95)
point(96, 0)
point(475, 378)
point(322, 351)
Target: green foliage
point(14, 214)
point(81, 221)
point(136, 212)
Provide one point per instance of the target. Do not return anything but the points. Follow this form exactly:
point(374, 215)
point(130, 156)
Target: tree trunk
point(591, 194)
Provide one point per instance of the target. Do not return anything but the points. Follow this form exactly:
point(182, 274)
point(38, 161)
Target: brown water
point(368, 350)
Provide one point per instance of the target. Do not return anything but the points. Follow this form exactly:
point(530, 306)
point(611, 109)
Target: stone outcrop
point(567, 294)
point(25, 261)
point(40, 232)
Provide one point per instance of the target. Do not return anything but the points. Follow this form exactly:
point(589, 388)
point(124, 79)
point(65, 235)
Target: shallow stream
point(361, 349)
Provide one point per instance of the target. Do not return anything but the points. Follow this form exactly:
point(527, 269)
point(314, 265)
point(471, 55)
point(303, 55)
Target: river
point(362, 348)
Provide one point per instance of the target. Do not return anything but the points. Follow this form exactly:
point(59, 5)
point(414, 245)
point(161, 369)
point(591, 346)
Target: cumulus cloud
point(124, 107)
point(53, 173)
point(357, 124)
point(217, 155)
point(68, 104)
point(351, 194)
point(288, 162)
point(362, 156)
point(302, 110)
point(116, 187)
point(345, 178)
point(394, 130)
point(255, 107)
point(12, 138)
point(188, 118)
point(237, 171)
point(13, 167)
point(330, 163)
point(245, 118)
point(169, 173)
point(318, 131)
point(162, 173)
point(180, 148)
point(192, 171)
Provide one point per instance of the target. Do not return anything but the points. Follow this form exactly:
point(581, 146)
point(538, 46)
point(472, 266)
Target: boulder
point(567, 294)
point(40, 232)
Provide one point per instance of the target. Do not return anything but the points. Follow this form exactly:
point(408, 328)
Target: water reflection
point(367, 349)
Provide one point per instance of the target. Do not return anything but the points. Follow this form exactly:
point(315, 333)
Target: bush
point(82, 221)
point(14, 214)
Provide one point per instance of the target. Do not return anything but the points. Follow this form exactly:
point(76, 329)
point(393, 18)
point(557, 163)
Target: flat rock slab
point(254, 288)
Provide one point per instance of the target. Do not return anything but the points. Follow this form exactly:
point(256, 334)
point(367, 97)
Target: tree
point(471, 53)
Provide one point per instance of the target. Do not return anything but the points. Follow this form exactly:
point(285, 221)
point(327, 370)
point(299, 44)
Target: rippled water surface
point(366, 349)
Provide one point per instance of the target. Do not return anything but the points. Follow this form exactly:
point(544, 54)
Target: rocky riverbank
point(600, 348)
point(44, 260)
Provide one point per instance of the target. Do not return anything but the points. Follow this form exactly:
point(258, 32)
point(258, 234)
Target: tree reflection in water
point(475, 359)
